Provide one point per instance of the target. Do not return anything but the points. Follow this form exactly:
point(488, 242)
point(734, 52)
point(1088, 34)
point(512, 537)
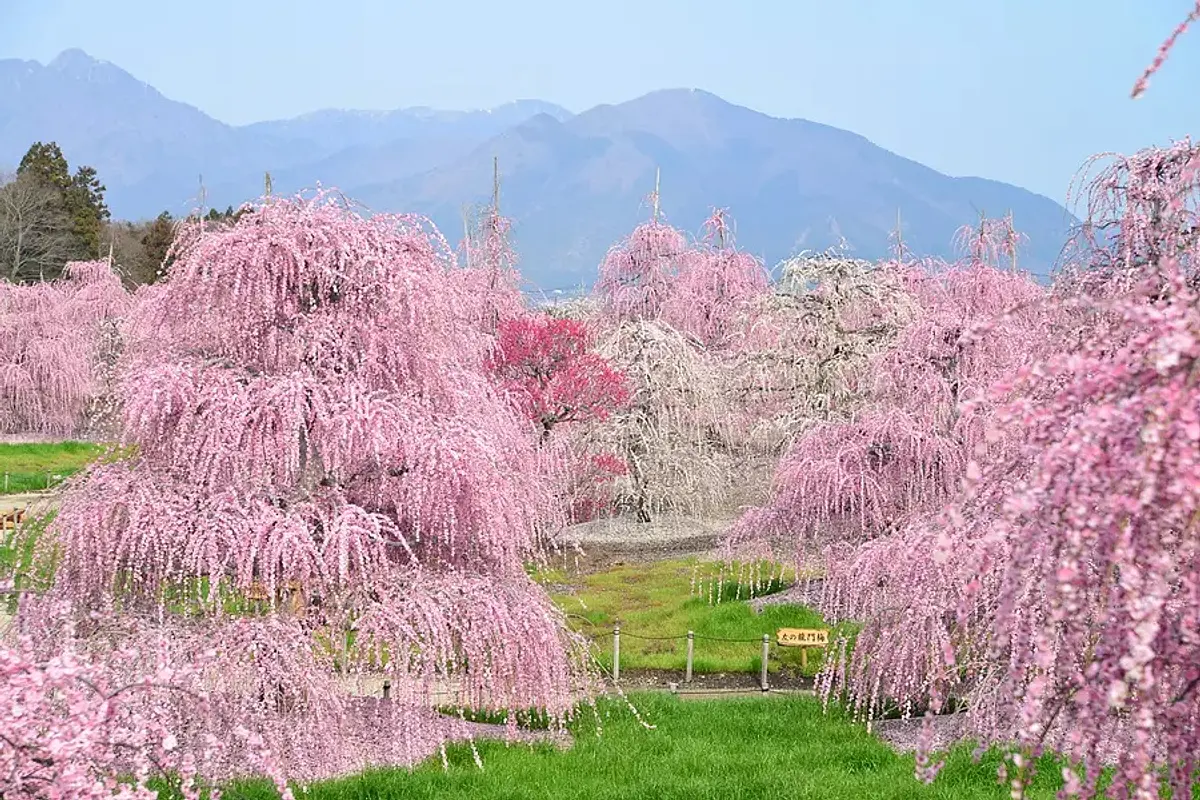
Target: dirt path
point(33, 503)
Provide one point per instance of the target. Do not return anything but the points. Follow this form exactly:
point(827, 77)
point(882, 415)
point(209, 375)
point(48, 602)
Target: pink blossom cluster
point(699, 289)
point(55, 340)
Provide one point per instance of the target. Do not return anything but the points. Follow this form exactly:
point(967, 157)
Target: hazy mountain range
point(572, 183)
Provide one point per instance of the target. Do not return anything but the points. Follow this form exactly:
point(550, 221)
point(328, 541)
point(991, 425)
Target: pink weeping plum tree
point(325, 479)
point(1057, 594)
point(73, 726)
point(714, 285)
point(490, 274)
point(903, 452)
point(1079, 550)
point(57, 340)
point(698, 289)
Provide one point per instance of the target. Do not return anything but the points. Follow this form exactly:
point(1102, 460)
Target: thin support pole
point(765, 654)
point(616, 653)
point(691, 646)
point(657, 175)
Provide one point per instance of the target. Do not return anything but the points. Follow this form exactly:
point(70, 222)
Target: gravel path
point(607, 541)
point(804, 593)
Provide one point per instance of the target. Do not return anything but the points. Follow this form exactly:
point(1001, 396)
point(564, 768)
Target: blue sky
point(1017, 90)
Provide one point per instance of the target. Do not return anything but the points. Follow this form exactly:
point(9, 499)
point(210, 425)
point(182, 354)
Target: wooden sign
point(801, 637)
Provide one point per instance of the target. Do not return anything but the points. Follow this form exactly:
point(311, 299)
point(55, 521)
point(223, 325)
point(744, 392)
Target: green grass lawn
point(31, 467)
point(753, 748)
point(660, 599)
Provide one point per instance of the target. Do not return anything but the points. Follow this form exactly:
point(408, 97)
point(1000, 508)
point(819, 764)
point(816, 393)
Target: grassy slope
point(755, 748)
point(27, 465)
point(660, 599)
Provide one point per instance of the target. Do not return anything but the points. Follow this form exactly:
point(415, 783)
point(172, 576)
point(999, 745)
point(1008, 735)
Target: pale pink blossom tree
point(57, 340)
point(801, 352)
point(316, 435)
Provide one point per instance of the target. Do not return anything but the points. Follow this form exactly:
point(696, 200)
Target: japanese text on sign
point(801, 637)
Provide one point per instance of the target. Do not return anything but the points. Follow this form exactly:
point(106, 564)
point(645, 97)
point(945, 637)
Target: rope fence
point(788, 637)
point(30, 481)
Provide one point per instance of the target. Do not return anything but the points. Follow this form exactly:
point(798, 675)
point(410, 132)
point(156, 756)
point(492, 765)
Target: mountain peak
point(73, 59)
point(76, 64)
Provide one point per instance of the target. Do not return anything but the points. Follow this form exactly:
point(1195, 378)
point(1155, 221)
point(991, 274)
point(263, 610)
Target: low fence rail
point(803, 638)
point(30, 481)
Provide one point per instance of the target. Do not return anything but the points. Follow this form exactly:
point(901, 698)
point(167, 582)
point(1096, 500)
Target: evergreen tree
point(80, 197)
point(156, 242)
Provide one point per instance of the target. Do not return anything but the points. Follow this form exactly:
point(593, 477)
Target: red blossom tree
point(316, 433)
point(546, 366)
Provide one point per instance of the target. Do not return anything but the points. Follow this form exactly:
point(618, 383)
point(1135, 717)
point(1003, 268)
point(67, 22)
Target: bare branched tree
point(35, 234)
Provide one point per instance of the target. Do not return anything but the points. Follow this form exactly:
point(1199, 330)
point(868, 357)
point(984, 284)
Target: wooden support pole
point(766, 653)
point(616, 653)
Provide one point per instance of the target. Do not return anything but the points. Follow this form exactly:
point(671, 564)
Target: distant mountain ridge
point(574, 184)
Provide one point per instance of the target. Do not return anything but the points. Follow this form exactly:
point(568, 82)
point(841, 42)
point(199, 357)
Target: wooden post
point(765, 655)
point(1012, 235)
point(691, 639)
point(387, 690)
point(6, 481)
point(616, 652)
point(657, 174)
point(496, 186)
